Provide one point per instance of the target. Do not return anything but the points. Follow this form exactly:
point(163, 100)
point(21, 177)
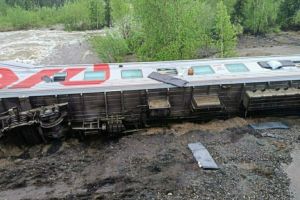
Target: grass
point(74, 15)
point(110, 48)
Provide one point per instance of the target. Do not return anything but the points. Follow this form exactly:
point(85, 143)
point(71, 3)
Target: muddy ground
point(153, 163)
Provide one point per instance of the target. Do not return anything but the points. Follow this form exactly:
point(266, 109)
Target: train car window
point(203, 70)
point(94, 76)
point(60, 76)
point(169, 71)
point(236, 68)
point(132, 73)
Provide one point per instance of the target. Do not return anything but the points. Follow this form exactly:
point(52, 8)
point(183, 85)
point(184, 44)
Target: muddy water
point(47, 47)
point(293, 171)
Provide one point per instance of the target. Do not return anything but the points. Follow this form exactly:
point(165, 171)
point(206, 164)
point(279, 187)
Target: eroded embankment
point(154, 164)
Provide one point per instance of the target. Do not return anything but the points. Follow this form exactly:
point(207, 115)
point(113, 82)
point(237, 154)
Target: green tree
point(224, 32)
point(107, 13)
point(260, 16)
point(122, 17)
point(297, 19)
point(96, 13)
point(111, 48)
point(30, 4)
point(288, 12)
point(3, 8)
point(172, 29)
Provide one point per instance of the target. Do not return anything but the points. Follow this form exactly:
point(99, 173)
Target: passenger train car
point(42, 102)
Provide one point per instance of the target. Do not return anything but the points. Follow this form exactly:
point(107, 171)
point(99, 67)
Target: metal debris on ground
point(202, 156)
point(269, 125)
point(167, 79)
point(272, 136)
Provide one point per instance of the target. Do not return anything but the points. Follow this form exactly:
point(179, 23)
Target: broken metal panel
point(287, 63)
point(202, 156)
point(167, 79)
point(277, 64)
point(205, 102)
point(269, 125)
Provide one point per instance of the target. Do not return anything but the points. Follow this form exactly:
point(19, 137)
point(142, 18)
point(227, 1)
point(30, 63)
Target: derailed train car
point(40, 103)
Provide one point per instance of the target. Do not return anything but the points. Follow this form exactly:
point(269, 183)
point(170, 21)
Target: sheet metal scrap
point(202, 156)
point(269, 125)
point(272, 136)
point(167, 79)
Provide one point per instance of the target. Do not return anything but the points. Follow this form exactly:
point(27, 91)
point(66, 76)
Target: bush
point(22, 19)
point(288, 13)
point(224, 32)
point(172, 29)
point(3, 8)
point(110, 48)
point(75, 15)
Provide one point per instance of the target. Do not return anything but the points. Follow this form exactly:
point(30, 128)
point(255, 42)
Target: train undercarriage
point(43, 118)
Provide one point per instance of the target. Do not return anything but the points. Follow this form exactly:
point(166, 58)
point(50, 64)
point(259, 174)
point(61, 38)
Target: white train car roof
point(21, 80)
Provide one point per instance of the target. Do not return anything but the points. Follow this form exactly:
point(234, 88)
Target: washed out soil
point(154, 164)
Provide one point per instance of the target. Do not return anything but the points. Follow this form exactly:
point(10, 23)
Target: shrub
point(297, 19)
point(224, 32)
point(288, 13)
point(75, 15)
point(22, 19)
point(172, 29)
point(110, 48)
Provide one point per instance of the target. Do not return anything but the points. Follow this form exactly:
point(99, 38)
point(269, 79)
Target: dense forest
point(158, 29)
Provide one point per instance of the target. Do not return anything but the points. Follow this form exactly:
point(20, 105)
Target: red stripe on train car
point(35, 79)
point(7, 77)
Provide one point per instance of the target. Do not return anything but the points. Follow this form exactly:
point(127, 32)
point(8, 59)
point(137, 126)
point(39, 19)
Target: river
point(47, 47)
